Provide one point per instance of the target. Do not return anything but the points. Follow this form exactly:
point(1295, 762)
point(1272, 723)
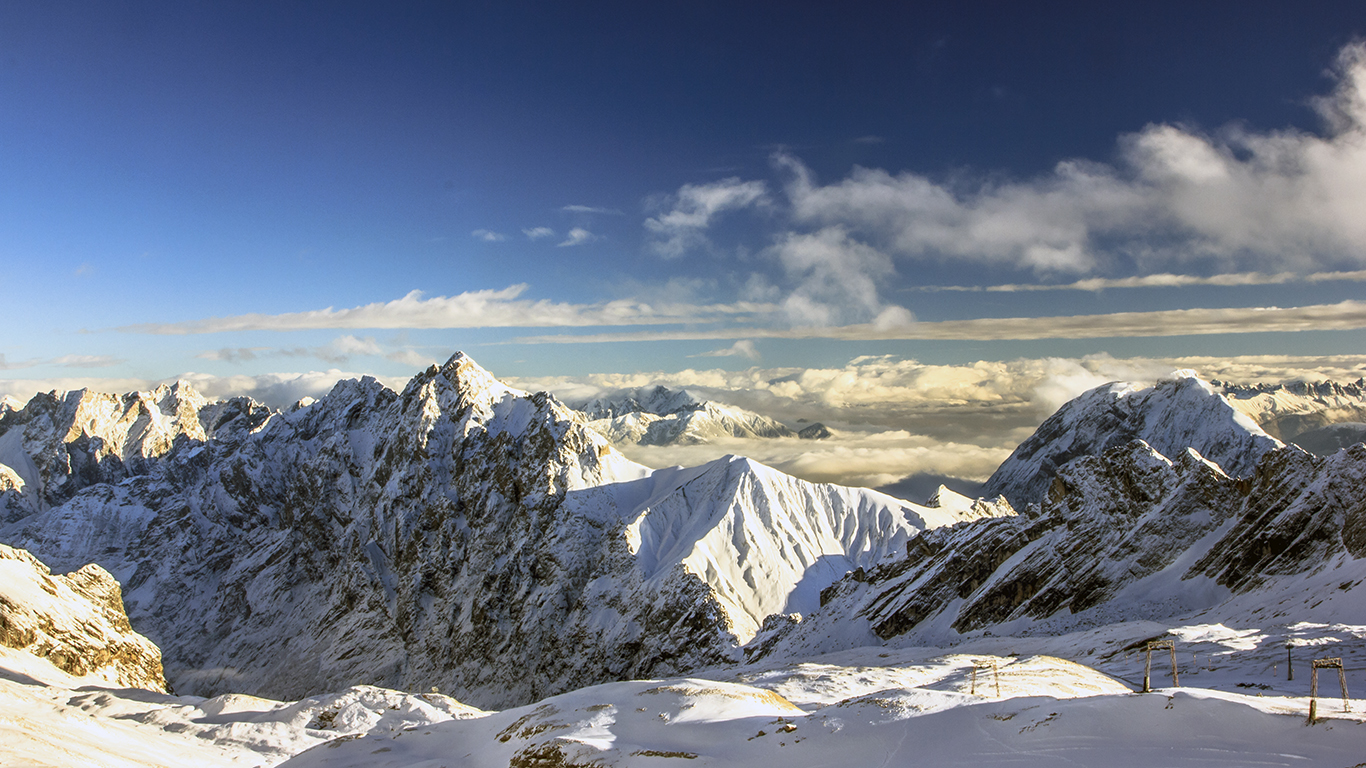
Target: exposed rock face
point(662, 416)
point(459, 534)
point(75, 621)
point(1171, 416)
point(62, 442)
point(1125, 535)
point(817, 431)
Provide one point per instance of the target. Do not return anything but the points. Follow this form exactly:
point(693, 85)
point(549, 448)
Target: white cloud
point(62, 361)
point(277, 390)
point(410, 357)
point(488, 236)
point(887, 411)
point(836, 278)
point(693, 209)
point(591, 209)
point(472, 309)
point(742, 348)
point(577, 236)
point(891, 324)
point(1232, 201)
point(1162, 280)
point(538, 233)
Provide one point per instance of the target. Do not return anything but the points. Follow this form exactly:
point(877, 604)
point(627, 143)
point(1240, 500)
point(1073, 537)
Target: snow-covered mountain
point(662, 416)
point(460, 534)
point(1126, 535)
point(1289, 411)
point(59, 443)
point(1183, 412)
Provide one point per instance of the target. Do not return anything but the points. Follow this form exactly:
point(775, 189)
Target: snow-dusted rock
point(62, 442)
point(1180, 413)
point(75, 621)
point(1126, 535)
point(461, 534)
point(662, 416)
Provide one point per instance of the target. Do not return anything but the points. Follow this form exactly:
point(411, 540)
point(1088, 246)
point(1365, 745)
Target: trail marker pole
point(995, 673)
point(1289, 658)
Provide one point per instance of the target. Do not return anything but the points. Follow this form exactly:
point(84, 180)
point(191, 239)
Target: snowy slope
point(662, 416)
point(1126, 535)
point(1180, 413)
point(766, 542)
point(668, 722)
point(461, 534)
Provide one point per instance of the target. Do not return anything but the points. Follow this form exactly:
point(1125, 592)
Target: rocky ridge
point(75, 621)
point(1182, 412)
point(1289, 411)
point(1126, 535)
point(460, 534)
point(662, 416)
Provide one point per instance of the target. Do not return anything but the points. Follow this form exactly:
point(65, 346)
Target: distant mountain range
point(662, 416)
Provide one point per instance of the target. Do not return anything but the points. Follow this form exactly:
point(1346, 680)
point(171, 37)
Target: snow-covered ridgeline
point(61, 442)
point(1288, 411)
point(662, 416)
point(459, 533)
point(766, 542)
point(1126, 535)
point(1183, 412)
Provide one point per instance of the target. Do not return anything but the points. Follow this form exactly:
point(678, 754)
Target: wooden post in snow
point(995, 673)
point(1148, 662)
point(1335, 663)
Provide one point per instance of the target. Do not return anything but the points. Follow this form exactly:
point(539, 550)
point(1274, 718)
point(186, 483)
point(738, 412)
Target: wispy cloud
point(742, 348)
point(538, 233)
point(488, 236)
point(692, 210)
point(591, 209)
point(577, 236)
point(63, 361)
point(1347, 315)
point(1161, 280)
point(472, 309)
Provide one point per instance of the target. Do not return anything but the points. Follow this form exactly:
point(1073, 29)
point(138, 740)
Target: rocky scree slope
point(75, 621)
point(459, 534)
point(1171, 416)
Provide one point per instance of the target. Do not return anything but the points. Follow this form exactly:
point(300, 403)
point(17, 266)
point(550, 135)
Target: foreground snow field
point(869, 706)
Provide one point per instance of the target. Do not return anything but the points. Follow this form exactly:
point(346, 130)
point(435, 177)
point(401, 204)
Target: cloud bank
point(1346, 315)
point(1177, 198)
point(472, 309)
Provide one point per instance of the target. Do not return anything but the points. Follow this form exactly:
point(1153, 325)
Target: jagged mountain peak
point(658, 400)
point(1178, 413)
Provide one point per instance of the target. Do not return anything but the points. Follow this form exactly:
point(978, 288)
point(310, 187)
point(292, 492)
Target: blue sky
point(256, 189)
